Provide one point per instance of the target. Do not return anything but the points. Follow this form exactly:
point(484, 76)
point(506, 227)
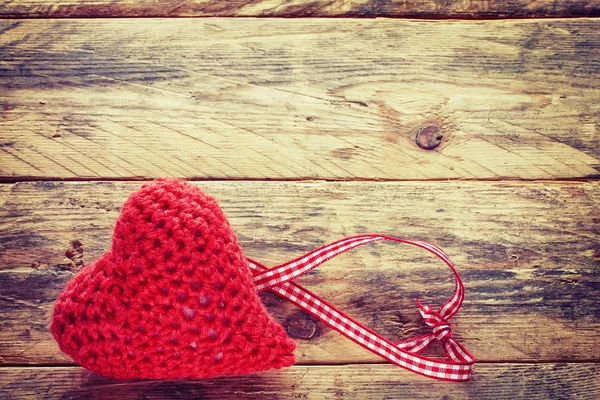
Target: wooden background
point(305, 131)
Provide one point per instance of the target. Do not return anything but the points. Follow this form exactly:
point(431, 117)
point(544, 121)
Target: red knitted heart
point(172, 298)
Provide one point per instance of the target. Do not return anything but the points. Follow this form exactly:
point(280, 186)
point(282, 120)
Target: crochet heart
point(172, 298)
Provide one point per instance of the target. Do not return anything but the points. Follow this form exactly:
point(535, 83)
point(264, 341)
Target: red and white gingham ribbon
point(405, 354)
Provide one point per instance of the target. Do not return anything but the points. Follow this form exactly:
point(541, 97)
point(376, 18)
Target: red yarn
point(172, 298)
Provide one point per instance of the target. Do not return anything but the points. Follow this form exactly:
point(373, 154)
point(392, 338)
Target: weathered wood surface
point(293, 98)
point(490, 381)
point(528, 252)
point(300, 8)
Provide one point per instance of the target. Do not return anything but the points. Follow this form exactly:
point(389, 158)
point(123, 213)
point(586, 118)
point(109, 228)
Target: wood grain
point(528, 253)
point(490, 381)
point(300, 8)
point(295, 99)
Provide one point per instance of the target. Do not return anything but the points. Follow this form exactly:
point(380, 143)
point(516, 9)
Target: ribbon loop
point(405, 354)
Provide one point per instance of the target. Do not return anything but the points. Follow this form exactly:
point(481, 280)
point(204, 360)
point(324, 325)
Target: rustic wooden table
point(305, 131)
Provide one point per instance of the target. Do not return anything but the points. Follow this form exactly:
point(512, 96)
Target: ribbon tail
point(456, 352)
point(416, 344)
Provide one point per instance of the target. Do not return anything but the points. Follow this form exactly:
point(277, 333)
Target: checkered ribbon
point(406, 354)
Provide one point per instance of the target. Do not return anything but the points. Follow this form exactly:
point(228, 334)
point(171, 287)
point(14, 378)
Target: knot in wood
point(429, 137)
point(300, 326)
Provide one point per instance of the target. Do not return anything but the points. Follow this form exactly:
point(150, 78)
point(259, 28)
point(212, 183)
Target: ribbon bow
point(441, 331)
point(405, 354)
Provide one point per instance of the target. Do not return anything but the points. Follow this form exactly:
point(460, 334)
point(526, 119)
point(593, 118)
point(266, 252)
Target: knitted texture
point(172, 298)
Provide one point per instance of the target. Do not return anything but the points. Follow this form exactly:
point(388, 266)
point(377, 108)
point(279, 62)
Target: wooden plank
point(301, 8)
point(300, 98)
point(490, 381)
point(528, 253)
